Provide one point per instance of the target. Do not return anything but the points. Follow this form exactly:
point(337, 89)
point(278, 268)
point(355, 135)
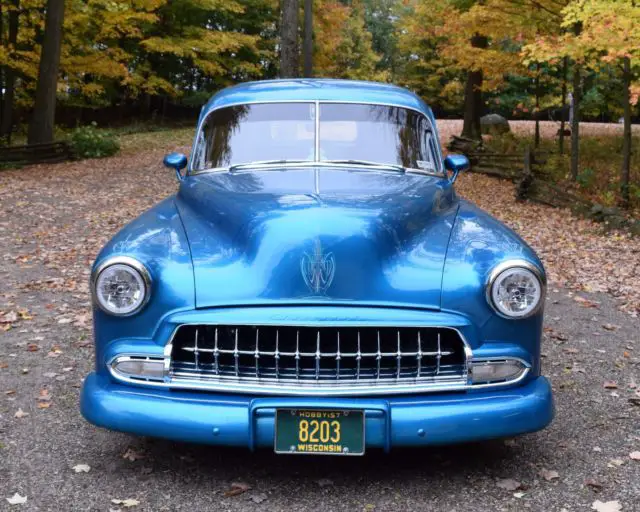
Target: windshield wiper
point(365, 162)
point(258, 163)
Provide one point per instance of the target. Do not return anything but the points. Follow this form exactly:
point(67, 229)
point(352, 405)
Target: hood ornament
point(318, 269)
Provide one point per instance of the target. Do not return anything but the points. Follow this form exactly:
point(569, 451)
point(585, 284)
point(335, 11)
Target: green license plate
point(319, 432)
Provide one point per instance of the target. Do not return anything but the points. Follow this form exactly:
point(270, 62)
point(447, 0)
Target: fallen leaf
point(81, 468)
point(634, 455)
point(16, 499)
point(132, 455)
point(128, 503)
point(593, 483)
point(43, 405)
point(608, 506)
point(236, 489)
point(32, 347)
point(20, 414)
point(615, 462)
point(610, 327)
point(549, 475)
point(586, 303)
point(508, 484)
point(610, 384)
point(9, 317)
point(518, 494)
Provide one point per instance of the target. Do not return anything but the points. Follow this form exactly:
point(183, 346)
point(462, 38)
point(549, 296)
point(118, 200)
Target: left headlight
point(121, 286)
point(516, 289)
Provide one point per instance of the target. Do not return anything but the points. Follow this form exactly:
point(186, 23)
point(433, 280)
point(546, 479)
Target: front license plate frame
point(287, 432)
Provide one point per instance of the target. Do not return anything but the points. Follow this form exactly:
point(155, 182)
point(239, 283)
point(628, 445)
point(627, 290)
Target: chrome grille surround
point(324, 361)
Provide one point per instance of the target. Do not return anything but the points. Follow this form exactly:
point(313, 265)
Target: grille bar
point(318, 356)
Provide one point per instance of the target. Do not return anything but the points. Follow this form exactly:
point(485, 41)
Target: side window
point(429, 154)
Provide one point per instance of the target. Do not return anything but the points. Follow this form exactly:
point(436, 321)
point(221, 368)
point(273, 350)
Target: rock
point(494, 124)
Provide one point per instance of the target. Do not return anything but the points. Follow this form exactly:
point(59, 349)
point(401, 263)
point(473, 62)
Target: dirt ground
point(53, 220)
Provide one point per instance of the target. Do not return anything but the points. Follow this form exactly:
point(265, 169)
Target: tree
point(344, 47)
point(9, 72)
point(289, 55)
point(43, 119)
point(307, 49)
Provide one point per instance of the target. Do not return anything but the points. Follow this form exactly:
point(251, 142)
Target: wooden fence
point(36, 153)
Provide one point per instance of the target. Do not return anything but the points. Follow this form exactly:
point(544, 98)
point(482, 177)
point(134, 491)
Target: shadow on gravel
point(375, 465)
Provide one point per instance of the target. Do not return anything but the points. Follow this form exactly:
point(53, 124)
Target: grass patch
point(599, 169)
point(169, 140)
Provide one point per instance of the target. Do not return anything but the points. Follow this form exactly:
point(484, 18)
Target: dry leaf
point(593, 483)
point(586, 303)
point(609, 506)
point(20, 414)
point(549, 475)
point(236, 489)
point(32, 347)
point(610, 384)
point(16, 499)
point(610, 327)
point(131, 455)
point(81, 468)
point(508, 484)
point(634, 455)
point(127, 503)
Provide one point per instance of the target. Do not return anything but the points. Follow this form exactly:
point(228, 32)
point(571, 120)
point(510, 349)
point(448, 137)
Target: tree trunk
point(307, 47)
point(536, 142)
point(6, 124)
point(473, 96)
point(565, 65)
point(626, 137)
point(575, 123)
point(289, 66)
point(44, 111)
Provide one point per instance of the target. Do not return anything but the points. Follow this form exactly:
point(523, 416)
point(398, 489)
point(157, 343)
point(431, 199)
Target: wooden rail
point(36, 153)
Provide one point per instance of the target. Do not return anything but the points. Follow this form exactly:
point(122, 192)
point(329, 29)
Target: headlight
point(516, 289)
point(121, 286)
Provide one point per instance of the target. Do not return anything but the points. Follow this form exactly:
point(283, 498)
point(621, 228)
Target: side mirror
point(175, 161)
point(456, 164)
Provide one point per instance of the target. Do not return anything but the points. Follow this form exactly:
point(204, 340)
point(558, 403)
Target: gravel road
point(50, 229)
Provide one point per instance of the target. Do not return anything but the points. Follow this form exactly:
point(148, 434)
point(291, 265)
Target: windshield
point(287, 132)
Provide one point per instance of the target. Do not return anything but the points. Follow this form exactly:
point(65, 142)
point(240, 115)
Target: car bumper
point(234, 420)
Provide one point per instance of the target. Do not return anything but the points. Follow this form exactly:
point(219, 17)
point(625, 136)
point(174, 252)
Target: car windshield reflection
point(301, 133)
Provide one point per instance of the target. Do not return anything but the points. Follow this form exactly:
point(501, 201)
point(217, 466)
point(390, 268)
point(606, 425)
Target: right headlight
point(516, 289)
point(121, 286)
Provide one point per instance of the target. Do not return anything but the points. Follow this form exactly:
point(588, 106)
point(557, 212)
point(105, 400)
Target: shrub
point(89, 142)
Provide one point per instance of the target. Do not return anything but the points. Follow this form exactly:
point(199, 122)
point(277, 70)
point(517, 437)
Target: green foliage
point(89, 142)
point(586, 178)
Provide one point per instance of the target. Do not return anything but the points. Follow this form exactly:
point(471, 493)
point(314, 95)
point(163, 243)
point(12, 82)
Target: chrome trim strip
point(515, 263)
point(130, 262)
point(369, 387)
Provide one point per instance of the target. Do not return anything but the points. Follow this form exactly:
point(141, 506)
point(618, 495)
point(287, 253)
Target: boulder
point(494, 124)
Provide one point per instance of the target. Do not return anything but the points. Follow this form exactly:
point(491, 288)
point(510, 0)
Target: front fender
point(156, 239)
point(478, 243)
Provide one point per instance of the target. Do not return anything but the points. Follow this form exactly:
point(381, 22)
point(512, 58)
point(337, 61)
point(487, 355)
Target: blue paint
point(406, 251)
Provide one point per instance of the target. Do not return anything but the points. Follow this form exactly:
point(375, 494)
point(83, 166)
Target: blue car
point(316, 286)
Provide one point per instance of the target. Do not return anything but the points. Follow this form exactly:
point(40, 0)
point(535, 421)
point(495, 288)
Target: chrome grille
point(318, 356)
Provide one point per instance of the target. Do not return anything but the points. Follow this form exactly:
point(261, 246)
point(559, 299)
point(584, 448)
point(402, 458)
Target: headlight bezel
point(499, 269)
point(133, 264)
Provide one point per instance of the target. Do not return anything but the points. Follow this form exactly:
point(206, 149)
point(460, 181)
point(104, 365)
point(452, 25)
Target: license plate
point(319, 432)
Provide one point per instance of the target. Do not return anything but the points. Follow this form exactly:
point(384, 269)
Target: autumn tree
point(289, 53)
point(43, 117)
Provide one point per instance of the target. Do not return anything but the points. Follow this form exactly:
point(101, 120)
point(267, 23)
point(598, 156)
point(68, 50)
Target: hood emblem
point(318, 269)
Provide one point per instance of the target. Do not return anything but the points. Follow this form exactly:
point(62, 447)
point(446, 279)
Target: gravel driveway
point(53, 220)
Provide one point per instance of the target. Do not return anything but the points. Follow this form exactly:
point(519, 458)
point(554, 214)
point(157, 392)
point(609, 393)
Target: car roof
point(317, 89)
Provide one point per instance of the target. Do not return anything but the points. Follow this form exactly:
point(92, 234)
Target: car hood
point(317, 235)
